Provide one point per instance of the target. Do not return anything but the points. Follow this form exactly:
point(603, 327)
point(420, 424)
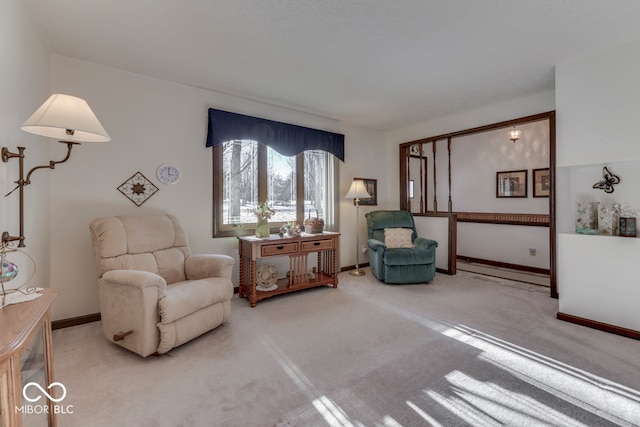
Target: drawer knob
point(316, 243)
point(279, 248)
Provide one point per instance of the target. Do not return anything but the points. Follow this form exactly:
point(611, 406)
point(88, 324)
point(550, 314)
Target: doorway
point(448, 175)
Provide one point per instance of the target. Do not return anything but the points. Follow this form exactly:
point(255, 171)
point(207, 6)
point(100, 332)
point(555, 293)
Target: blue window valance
point(286, 139)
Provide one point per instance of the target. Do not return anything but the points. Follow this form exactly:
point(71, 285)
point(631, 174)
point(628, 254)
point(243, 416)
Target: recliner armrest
point(375, 244)
point(135, 278)
point(202, 266)
point(424, 243)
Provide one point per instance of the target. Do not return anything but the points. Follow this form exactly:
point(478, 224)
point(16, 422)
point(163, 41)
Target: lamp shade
point(358, 190)
point(66, 118)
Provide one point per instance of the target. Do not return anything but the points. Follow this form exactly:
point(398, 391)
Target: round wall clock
point(168, 174)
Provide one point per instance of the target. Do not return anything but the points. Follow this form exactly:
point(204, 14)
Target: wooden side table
point(26, 327)
point(298, 249)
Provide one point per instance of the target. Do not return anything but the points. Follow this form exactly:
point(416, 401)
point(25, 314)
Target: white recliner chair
point(154, 295)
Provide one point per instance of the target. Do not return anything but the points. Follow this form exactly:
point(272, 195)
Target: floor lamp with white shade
point(356, 192)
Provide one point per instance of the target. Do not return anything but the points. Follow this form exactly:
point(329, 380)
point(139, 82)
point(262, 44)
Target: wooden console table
point(298, 249)
point(26, 338)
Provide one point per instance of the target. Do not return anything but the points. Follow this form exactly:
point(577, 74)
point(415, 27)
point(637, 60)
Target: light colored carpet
point(456, 352)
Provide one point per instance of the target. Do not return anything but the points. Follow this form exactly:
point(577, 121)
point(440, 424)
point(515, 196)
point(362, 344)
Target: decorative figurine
point(608, 181)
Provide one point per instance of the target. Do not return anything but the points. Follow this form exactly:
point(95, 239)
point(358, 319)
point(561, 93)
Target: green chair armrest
point(375, 244)
point(424, 243)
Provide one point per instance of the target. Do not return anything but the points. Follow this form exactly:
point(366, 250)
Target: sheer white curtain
point(331, 196)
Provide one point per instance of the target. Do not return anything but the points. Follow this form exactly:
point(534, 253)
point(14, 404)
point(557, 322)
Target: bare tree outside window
point(240, 180)
point(247, 172)
point(281, 173)
point(315, 182)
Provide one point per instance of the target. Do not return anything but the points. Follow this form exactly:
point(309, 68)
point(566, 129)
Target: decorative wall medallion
point(138, 189)
point(608, 181)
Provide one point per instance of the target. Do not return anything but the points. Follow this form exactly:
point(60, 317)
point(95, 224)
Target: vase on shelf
point(262, 228)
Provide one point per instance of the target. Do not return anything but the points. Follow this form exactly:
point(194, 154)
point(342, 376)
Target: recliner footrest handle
point(122, 335)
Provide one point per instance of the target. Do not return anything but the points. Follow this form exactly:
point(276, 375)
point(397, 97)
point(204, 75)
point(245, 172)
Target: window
point(247, 172)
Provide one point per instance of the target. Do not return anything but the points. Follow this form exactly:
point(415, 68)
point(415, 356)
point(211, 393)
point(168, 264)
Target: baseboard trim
point(81, 320)
point(629, 333)
point(75, 321)
point(353, 267)
point(518, 267)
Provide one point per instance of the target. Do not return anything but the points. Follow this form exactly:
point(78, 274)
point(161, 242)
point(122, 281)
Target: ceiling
point(380, 64)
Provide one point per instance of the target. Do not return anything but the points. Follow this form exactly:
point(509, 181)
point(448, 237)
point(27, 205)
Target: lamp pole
point(356, 192)
point(357, 271)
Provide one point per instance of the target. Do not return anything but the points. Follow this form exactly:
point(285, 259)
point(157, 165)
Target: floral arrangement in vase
point(263, 211)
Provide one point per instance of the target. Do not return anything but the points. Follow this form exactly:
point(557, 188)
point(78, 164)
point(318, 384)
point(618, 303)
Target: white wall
point(597, 99)
point(520, 107)
point(505, 243)
point(25, 84)
point(475, 160)
point(366, 156)
point(153, 122)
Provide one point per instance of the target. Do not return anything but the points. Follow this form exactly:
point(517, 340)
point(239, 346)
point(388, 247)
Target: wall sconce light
point(357, 191)
point(515, 134)
point(66, 118)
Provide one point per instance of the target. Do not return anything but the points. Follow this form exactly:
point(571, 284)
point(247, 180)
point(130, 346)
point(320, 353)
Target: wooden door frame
point(404, 150)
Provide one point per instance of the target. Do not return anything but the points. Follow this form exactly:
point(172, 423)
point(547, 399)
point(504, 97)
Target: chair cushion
point(184, 298)
point(377, 221)
point(398, 238)
point(408, 256)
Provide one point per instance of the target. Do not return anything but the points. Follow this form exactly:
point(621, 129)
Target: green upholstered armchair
point(397, 255)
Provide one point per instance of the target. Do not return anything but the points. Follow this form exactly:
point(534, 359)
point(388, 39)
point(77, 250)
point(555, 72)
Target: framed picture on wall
point(511, 184)
point(541, 182)
point(372, 188)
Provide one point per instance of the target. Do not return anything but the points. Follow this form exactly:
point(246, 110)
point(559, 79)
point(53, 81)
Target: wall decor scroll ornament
point(138, 189)
point(607, 182)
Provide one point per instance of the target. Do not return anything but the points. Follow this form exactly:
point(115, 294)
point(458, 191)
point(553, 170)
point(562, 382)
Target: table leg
point(253, 297)
point(334, 268)
point(241, 278)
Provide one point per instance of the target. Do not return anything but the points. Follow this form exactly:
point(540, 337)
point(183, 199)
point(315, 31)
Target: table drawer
point(279, 249)
point(317, 245)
